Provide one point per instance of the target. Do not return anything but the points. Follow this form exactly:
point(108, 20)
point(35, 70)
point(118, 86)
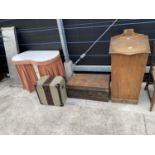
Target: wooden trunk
point(129, 57)
point(89, 86)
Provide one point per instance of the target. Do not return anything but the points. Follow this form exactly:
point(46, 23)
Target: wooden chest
point(129, 57)
point(89, 86)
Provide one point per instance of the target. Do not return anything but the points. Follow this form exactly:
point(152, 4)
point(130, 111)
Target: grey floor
point(21, 113)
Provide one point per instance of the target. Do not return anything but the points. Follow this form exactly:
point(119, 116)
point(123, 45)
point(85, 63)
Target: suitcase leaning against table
point(51, 90)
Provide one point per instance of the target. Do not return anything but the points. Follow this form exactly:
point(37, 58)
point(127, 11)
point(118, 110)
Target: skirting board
point(95, 68)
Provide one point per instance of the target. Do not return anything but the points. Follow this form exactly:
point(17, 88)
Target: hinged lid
point(129, 43)
point(89, 82)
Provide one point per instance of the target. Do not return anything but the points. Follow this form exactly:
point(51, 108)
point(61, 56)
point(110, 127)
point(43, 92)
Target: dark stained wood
point(89, 86)
point(151, 79)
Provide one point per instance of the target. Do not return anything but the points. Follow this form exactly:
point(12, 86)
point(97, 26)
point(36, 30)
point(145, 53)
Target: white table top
point(36, 55)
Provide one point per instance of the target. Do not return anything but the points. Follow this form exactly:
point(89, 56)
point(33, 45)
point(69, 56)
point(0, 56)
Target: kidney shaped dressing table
point(30, 65)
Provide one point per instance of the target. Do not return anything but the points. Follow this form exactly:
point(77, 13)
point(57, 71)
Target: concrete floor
point(21, 113)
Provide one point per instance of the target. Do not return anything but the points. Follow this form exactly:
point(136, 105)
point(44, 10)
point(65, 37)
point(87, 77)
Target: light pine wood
point(127, 76)
point(129, 43)
point(129, 57)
